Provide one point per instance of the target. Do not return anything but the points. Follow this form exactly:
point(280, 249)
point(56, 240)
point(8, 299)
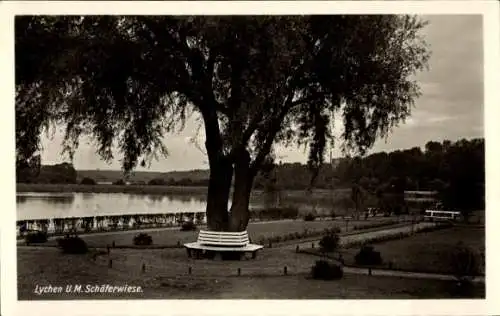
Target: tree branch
point(275, 127)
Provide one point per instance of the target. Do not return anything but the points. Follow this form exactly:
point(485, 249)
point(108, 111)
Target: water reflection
point(38, 206)
point(49, 199)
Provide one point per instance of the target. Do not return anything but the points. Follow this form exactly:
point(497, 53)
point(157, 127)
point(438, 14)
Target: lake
point(32, 206)
point(64, 211)
point(47, 205)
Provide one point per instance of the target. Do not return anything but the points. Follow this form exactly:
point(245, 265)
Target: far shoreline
point(109, 188)
point(143, 189)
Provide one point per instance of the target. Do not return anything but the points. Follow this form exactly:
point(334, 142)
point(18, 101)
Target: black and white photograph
point(249, 156)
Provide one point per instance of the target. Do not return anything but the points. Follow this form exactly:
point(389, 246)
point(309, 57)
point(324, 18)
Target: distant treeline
point(455, 169)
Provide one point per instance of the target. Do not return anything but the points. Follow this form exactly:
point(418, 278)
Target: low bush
point(309, 217)
point(324, 270)
point(35, 237)
point(72, 245)
point(188, 226)
point(157, 181)
point(143, 239)
point(368, 256)
point(332, 230)
point(465, 263)
point(329, 242)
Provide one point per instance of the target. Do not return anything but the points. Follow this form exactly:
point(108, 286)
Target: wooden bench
point(222, 242)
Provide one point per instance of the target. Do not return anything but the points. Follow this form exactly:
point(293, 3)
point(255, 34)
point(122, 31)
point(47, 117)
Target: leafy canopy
point(254, 81)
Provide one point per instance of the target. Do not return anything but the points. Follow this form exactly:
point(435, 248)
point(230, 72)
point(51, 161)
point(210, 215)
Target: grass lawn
point(426, 252)
point(166, 277)
point(255, 230)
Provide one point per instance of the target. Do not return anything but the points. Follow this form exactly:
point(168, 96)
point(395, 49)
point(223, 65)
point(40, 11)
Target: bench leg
point(254, 254)
point(198, 254)
point(188, 252)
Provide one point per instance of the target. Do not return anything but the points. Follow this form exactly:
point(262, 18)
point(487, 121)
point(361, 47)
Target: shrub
point(72, 245)
point(143, 239)
point(464, 263)
point(324, 270)
point(368, 256)
point(35, 237)
point(188, 226)
point(88, 181)
point(329, 242)
point(332, 230)
point(119, 182)
point(157, 181)
point(309, 217)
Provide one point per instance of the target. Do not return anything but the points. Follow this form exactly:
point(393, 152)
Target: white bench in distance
point(222, 242)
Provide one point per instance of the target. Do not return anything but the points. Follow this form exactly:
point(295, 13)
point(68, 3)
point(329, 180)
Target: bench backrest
point(229, 239)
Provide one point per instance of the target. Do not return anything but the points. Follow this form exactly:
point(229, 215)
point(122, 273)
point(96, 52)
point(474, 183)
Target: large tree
point(254, 82)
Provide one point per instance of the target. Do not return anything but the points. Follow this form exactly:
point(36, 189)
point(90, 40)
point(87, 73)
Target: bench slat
point(209, 232)
point(221, 243)
point(223, 239)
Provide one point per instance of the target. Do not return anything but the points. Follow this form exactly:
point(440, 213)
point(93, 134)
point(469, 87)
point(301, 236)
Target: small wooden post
point(107, 247)
point(190, 270)
point(113, 245)
point(143, 267)
point(239, 271)
point(370, 271)
point(178, 243)
point(285, 270)
point(110, 263)
point(312, 245)
point(270, 244)
point(297, 248)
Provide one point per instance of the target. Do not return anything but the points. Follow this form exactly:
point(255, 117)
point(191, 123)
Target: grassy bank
point(426, 252)
point(166, 277)
point(256, 231)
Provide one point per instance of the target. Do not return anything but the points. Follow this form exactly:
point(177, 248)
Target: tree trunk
point(243, 180)
point(219, 186)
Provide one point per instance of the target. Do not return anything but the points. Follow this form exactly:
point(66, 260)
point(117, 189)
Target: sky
point(451, 105)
